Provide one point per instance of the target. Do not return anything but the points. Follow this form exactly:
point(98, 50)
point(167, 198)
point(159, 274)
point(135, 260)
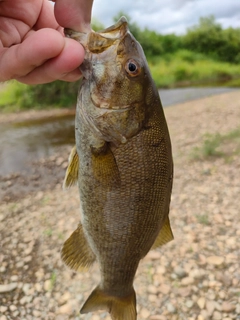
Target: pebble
point(145, 313)
point(215, 260)
point(3, 309)
point(228, 307)
point(210, 306)
point(47, 285)
point(12, 307)
point(217, 315)
point(65, 308)
point(189, 304)
point(164, 288)
point(8, 287)
point(201, 302)
point(186, 281)
point(171, 308)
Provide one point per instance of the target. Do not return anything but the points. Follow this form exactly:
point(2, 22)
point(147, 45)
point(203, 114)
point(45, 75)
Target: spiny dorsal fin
point(120, 308)
point(71, 176)
point(165, 235)
point(76, 252)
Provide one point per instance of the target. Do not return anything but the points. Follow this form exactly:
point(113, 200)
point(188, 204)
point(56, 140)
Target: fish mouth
point(108, 107)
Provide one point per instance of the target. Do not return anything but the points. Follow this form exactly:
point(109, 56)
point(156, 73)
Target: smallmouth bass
point(123, 165)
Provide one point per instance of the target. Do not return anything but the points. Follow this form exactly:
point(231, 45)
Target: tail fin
point(120, 308)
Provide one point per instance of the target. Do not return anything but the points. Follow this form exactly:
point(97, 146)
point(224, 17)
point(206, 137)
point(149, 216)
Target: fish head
point(116, 73)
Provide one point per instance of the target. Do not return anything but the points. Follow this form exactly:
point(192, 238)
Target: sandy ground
point(195, 277)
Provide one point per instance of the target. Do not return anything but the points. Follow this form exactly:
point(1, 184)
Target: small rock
point(189, 304)
point(145, 313)
point(2, 269)
point(171, 308)
point(161, 270)
point(164, 288)
point(47, 285)
point(186, 281)
point(180, 272)
point(152, 289)
point(26, 288)
point(65, 309)
point(36, 313)
point(3, 318)
point(12, 307)
point(228, 307)
point(217, 315)
point(215, 260)
point(210, 306)
point(201, 302)
point(3, 309)
point(184, 292)
point(14, 278)
point(8, 287)
point(19, 264)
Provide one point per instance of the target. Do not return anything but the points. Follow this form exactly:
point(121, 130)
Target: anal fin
point(71, 176)
point(76, 252)
point(165, 235)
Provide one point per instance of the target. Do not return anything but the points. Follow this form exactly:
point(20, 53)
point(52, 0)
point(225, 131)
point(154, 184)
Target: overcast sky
point(169, 16)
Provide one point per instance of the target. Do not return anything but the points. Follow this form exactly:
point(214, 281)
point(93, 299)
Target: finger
point(62, 67)
point(75, 14)
point(21, 59)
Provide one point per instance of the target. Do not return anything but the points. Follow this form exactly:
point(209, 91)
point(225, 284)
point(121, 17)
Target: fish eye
point(132, 67)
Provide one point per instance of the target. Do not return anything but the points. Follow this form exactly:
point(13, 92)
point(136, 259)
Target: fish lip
point(109, 108)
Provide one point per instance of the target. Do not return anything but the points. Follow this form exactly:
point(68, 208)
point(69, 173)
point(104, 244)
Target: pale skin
point(33, 48)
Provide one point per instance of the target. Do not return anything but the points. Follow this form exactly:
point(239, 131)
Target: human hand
point(33, 49)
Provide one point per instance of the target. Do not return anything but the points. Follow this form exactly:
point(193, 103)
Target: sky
point(169, 16)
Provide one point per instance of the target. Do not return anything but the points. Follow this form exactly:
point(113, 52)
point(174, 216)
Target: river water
point(22, 143)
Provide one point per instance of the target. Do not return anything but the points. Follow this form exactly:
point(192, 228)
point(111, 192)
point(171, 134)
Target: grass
point(182, 69)
point(218, 145)
point(203, 219)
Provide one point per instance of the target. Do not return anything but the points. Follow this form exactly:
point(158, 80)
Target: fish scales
point(125, 168)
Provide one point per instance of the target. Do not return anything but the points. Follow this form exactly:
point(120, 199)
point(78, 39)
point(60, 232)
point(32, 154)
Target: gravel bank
point(195, 277)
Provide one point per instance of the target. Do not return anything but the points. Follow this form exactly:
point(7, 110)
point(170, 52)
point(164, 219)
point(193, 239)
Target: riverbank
point(195, 277)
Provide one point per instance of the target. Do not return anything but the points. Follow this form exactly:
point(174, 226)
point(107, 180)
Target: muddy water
point(25, 142)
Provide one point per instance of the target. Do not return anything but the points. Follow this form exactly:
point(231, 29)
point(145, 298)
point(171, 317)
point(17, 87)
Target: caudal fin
point(120, 308)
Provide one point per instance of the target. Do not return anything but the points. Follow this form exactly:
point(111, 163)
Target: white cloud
point(169, 16)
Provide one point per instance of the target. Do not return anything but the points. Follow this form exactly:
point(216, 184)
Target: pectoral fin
point(105, 168)
point(76, 252)
point(165, 235)
point(71, 176)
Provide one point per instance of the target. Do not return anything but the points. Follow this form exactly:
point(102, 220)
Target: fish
point(123, 166)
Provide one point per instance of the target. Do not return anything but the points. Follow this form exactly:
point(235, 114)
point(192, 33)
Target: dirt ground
point(194, 277)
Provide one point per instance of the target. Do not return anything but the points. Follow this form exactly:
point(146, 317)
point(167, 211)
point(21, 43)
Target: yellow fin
point(105, 168)
point(71, 176)
point(76, 252)
point(165, 235)
point(120, 308)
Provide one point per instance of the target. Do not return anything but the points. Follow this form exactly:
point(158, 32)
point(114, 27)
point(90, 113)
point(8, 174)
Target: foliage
point(185, 68)
point(209, 38)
